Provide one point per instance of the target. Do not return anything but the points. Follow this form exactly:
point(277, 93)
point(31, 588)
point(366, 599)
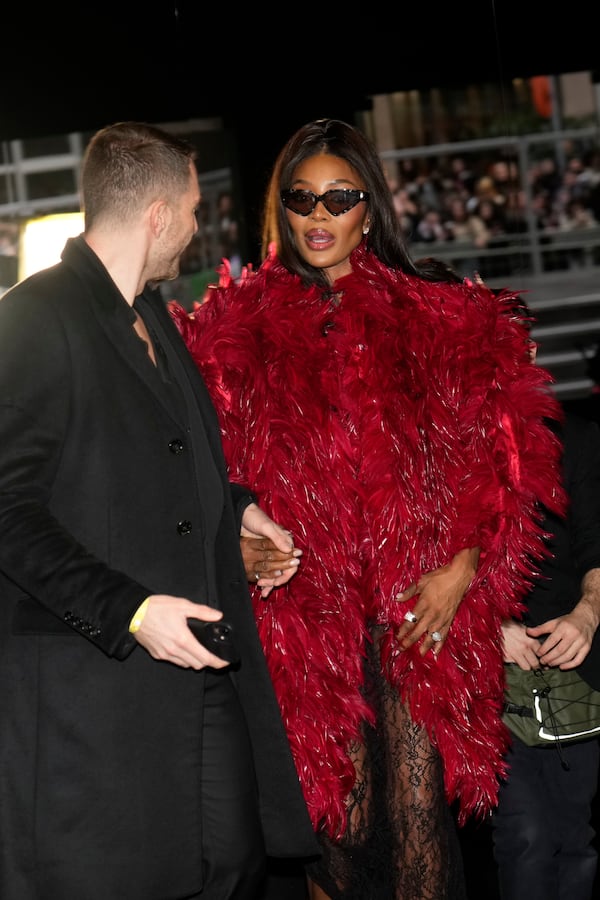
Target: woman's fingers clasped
point(263, 560)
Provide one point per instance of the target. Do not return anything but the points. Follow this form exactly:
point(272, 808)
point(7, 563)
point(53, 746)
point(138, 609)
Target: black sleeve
point(242, 497)
point(582, 473)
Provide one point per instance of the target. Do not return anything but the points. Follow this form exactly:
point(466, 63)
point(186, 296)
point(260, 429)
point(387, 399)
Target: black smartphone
point(216, 637)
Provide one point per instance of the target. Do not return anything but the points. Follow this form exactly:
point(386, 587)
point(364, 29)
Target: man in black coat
point(134, 763)
point(543, 836)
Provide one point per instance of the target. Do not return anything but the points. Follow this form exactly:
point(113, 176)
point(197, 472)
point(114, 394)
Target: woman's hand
point(439, 594)
point(268, 551)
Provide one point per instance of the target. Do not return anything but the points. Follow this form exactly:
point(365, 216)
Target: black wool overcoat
point(108, 492)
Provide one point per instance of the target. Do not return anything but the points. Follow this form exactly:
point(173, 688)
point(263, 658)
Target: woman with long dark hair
point(390, 410)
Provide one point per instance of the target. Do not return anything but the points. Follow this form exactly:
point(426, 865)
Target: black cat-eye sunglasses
point(336, 201)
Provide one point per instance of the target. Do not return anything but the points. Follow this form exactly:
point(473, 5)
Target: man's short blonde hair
point(128, 165)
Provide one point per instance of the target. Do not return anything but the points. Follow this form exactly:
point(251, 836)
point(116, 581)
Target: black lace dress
point(401, 841)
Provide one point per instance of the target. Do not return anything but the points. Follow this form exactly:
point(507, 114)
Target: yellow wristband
point(138, 616)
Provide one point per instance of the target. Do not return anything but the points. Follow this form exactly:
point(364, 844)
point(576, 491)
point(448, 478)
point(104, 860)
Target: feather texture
point(388, 423)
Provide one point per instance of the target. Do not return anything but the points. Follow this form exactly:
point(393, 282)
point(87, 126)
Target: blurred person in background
point(543, 837)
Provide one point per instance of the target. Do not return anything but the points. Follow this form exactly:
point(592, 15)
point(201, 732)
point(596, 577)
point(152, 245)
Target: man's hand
point(518, 646)
point(268, 551)
point(165, 634)
point(567, 639)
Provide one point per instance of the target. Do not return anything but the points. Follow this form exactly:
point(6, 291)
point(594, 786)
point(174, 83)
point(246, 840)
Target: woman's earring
point(366, 229)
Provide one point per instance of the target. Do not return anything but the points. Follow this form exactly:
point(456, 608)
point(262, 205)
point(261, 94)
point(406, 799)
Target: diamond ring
point(410, 617)
point(257, 575)
point(436, 636)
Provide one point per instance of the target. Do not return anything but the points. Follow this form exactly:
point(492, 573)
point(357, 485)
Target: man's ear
point(160, 215)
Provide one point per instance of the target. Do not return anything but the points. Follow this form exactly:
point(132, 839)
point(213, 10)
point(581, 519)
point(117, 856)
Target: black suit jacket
point(109, 491)
point(575, 543)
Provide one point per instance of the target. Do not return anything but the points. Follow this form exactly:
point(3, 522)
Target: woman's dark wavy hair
point(385, 238)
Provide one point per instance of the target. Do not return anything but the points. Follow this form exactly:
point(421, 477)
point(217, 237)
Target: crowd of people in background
point(483, 203)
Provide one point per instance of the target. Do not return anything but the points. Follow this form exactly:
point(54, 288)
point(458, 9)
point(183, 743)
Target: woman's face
point(322, 239)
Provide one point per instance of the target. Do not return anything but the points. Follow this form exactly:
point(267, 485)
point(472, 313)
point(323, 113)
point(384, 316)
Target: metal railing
point(534, 248)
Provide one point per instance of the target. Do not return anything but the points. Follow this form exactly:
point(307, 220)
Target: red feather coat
point(388, 424)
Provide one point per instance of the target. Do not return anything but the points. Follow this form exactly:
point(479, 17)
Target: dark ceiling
point(65, 69)
point(265, 70)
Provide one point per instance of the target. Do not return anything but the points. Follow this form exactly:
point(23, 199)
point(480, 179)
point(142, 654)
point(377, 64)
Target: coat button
point(176, 446)
point(184, 527)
